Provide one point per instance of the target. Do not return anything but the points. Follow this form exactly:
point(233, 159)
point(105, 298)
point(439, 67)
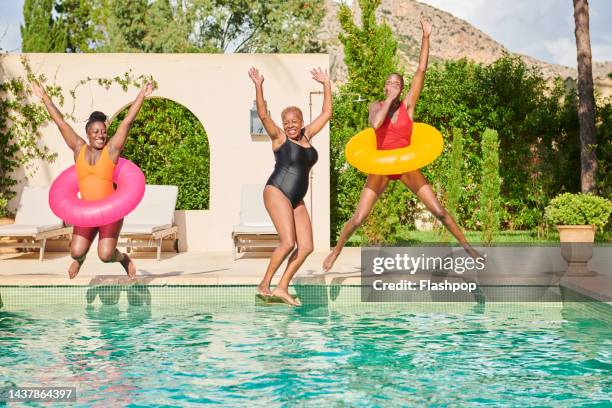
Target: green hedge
point(170, 145)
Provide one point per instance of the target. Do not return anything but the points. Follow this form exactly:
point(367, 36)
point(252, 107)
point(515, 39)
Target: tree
point(144, 26)
point(257, 25)
point(167, 29)
point(586, 98)
point(40, 32)
point(370, 50)
point(208, 25)
point(124, 26)
point(76, 19)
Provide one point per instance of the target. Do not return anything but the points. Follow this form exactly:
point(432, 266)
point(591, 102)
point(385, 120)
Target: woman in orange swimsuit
point(95, 163)
point(392, 121)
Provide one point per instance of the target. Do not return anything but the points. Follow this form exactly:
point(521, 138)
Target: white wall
point(217, 89)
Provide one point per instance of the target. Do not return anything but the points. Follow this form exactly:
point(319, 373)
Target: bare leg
point(303, 231)
point(374, 187)
point(281, 213)
point(107, 248)
point(79, 246)
point(417, 183)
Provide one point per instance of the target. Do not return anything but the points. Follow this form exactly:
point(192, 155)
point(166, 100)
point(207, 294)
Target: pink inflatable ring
point(65, 203)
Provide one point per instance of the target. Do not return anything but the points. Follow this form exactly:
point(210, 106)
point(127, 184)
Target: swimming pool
point(195, 345)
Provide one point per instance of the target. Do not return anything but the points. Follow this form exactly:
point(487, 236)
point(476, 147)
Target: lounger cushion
point(34, 208)
point(21, 230)
point(143, 228)
point(253, 215)
point(258, 224)
point(156, 208)
point(250, 229)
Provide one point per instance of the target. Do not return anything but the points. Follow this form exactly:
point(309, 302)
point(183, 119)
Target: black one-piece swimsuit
point(290, 175)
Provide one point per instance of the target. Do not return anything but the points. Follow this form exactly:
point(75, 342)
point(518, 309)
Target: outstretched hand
point(38, 90)
point(319, 75)
point(147, 88)
point(256, 77)
point(426, 26)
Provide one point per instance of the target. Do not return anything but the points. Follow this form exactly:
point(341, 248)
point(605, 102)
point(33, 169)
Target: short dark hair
point(96, 116)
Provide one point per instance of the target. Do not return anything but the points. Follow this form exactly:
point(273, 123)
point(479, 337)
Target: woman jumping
point(392, 121)
point(95, 163)
point(287, 186)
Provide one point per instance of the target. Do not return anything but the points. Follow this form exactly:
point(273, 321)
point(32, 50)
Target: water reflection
point(137, 295)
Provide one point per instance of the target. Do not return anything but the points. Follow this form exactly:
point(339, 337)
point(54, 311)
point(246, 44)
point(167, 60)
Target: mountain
point(453, 38)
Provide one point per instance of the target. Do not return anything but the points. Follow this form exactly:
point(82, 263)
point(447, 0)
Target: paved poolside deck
point(219, 268)
point(187, 268)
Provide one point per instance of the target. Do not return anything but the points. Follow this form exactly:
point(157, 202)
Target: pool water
point(239, 352)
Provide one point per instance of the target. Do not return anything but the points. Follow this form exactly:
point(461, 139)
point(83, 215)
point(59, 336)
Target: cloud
point(10, 37)
point(602, 52)
point(562, 50)
point(543, 29)
point(10, 20)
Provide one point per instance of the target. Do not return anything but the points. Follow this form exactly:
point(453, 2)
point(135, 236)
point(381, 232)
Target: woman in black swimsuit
point(287, 186)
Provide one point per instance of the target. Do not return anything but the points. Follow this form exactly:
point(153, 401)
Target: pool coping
point(219, 269)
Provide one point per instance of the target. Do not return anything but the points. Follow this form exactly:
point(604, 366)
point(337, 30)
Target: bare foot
point(330, 259)
point(129, 266)
point(286, 297)
point(74, 269)
point(263, 290)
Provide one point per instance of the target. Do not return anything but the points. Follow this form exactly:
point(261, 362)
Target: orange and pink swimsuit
point(395, 135)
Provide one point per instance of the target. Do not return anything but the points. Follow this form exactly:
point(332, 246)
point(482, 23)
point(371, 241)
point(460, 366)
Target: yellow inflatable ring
point(425, 146)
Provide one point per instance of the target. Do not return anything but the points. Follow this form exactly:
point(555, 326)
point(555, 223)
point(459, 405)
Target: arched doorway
point(170, 145)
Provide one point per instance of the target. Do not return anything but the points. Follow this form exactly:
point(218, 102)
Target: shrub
point(395, 208)
point(579, 209)
point(490, 185)
point(453, 189)
point(170, 146)
point(604, 148)
point(3, 206)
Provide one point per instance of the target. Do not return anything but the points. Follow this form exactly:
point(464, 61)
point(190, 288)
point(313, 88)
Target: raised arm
point(378, 111)
point(71, 138)
point(271, 128)
point(317, 124)
point(419, 77)
point(118, 140)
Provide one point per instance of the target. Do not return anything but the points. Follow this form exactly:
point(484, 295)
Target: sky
point(539, 28)
point(542, 29)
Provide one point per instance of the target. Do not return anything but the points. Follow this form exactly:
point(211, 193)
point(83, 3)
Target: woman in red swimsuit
point(392, 121)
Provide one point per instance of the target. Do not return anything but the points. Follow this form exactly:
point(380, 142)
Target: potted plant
point(577, 217)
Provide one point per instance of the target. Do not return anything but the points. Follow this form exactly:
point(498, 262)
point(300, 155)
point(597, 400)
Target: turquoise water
point(220, 346)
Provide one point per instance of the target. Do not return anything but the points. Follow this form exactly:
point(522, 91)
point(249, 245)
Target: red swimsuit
point(395, 135)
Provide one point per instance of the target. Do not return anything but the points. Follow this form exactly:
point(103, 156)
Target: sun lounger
point(255, 231)
point(34, 222)
point(153, 220)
